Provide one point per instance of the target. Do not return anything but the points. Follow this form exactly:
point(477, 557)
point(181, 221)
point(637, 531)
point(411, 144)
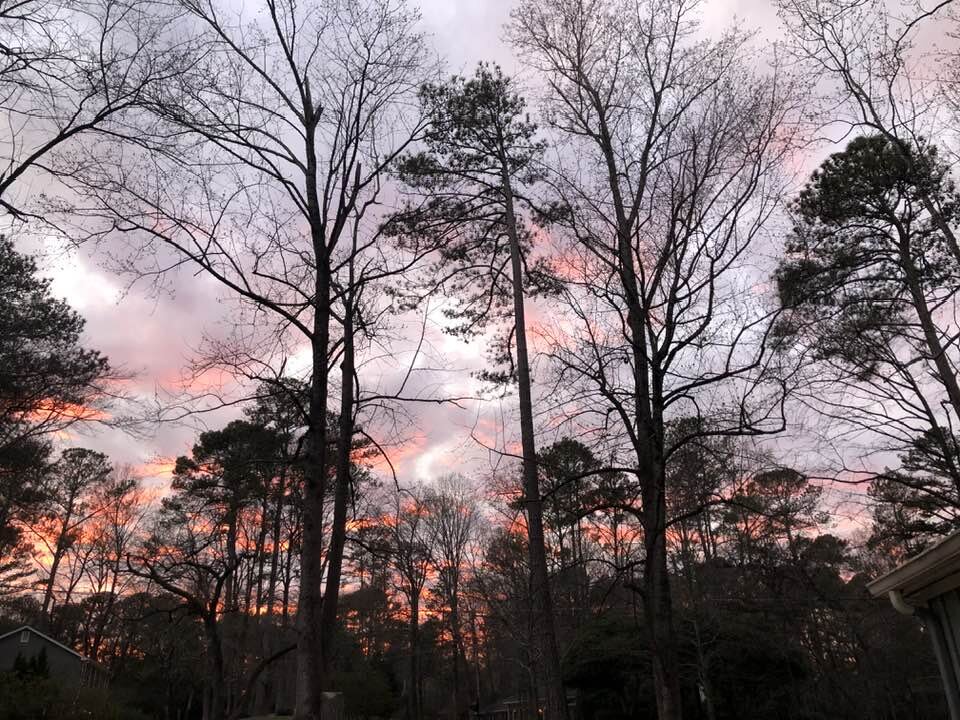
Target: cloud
point(155, 334)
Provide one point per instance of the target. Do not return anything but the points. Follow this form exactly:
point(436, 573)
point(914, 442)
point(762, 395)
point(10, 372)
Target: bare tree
point(77, 480)
point(453, 516)
point(118, 526)
point(185, 555)
point(411, 541)
point(69, 68)
point(253, 165)
point(674, 152)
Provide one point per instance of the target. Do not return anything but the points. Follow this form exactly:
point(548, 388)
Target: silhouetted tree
point(482, 160)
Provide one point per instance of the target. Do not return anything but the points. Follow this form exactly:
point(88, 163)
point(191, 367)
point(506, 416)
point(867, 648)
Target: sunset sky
point(583, 358)
point(152, 334)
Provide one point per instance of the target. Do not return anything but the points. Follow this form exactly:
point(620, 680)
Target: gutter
point(899, 604)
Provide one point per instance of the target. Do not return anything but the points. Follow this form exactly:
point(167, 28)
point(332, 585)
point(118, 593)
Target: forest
point(676, 282)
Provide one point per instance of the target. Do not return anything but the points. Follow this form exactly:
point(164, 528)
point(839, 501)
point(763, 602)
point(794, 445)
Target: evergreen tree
point(481, 161)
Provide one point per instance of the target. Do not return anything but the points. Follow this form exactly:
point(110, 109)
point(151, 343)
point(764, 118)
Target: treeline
point(436, 613)
point(634, 255)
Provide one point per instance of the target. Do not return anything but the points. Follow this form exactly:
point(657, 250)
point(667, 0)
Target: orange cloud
point(159, 468)
point(49, 410)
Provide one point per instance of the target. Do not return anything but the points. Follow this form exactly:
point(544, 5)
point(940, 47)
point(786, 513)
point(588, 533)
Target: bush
point(33, 697)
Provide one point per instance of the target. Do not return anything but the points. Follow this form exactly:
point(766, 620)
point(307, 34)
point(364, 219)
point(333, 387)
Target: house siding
point(65, 666)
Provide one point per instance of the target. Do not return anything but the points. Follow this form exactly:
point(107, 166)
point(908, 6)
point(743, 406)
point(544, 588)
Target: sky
point(153, 335)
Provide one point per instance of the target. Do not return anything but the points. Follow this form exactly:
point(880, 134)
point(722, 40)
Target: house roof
point(49, 639)
point(931, 573)
point(505, 702)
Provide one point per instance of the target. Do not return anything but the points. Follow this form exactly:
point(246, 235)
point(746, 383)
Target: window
point(24, 637)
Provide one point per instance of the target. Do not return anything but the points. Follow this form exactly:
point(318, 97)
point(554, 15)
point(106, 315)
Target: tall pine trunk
point(938, 354)
point(554, 696)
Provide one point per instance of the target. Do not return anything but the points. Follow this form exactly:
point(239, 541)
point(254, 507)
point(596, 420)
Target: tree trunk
point(658, 608)
point(233, 584)
point(946, 372)
point(58, 551)
point(648, 444)
point(474, 642)
point(48, 590)
point(413, 696)
point(657, 604)
point(215, 697)
point(555, 698)
point(277, 534)
point(266, 687)
point(458, 655)
point(310, 676)
point(338, 532)
point(261, 555)
point(106, 610)
point(287, 581)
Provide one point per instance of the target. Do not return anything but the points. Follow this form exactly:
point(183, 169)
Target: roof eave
point(934, 571)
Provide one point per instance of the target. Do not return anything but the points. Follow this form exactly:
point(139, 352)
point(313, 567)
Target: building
point(928, 587)
point(519, 708)
point(65, 664)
